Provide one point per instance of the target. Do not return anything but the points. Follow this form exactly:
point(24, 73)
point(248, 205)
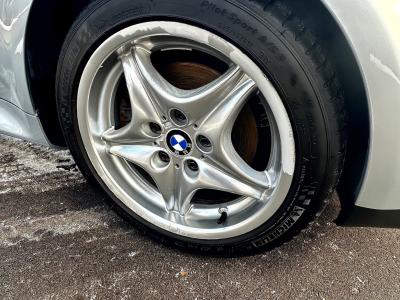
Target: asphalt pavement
point(58, 240)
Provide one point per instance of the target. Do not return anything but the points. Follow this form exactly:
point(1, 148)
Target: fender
point(376, 197)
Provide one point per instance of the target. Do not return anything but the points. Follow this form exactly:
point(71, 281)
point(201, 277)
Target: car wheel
point(217, 127)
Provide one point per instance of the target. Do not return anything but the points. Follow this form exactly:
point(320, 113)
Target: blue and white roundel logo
point(178, 142)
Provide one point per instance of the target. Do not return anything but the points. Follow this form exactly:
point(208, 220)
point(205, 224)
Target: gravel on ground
point(58, 240)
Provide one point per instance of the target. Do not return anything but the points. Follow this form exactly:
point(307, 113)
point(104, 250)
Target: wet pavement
point(58, 240)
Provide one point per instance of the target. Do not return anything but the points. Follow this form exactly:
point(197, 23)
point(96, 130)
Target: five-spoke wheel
point(181, 139)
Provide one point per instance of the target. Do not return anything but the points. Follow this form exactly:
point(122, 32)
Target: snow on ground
point(20, 162)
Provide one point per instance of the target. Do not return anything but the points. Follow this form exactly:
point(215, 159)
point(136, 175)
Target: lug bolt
point(155, 128)
point(179, 116)
point(192, 165)
point(205, 142)
point(164, 156)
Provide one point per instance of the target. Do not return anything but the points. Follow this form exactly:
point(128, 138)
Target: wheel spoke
point(183, 193)
point(143, 108)
point(196, 103)
point(163, 92)
point(172, 183)
point(187, 182)
point(210, 177)
point(193, 103)
point(217, 127)
point(129, 134)
point(226, 157)
point(139, 155)
point(222, 117)
point(163, 173)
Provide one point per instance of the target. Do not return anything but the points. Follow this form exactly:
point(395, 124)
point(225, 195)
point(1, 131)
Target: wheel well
point(336, 44)
point(50, 20)
point(47, 27)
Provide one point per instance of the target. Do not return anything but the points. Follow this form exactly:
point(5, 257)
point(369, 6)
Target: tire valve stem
point(224, 215)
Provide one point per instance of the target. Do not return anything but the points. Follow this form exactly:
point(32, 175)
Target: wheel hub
point(178, 142)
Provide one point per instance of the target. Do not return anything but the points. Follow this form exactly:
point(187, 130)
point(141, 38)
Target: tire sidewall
point(281, 59)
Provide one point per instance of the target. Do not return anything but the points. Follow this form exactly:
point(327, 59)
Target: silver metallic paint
point(15, 122)
point(373, 30)
point(13, 83)
point(17, 114)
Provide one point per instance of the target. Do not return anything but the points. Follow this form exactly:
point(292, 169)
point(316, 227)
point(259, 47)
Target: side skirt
point(17, 123)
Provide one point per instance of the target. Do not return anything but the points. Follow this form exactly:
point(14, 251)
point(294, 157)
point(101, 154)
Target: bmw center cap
point(178, 142)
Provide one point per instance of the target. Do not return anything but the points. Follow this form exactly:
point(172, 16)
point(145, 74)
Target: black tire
point(283, 46)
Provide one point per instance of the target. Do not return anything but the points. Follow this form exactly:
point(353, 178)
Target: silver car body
point(17, 114)
point(372, 28)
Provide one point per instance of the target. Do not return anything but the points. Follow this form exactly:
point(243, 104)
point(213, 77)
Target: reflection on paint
point(7, 20)
point(377, 62)
point(8, 123)
point(13, 84)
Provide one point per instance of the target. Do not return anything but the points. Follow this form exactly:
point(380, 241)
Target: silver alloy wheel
point(210, 111)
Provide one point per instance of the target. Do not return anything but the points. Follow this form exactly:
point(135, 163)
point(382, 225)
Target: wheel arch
point(48, 25)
